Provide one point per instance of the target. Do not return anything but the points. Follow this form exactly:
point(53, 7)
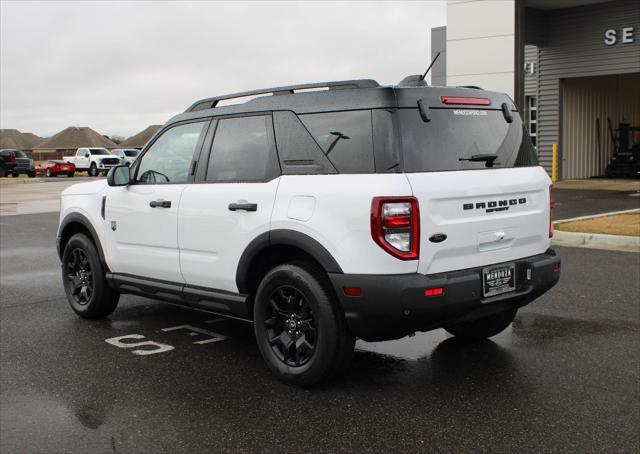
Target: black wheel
point(49, 174)
point(93, 170)
point(300, 330)
point(32, 174)
point(14, 174)
point(84, 281)
point(3, 172)
point(483, 327)
point(70, 174)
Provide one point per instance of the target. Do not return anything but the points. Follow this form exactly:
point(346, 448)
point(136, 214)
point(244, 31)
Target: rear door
point(231, 203)
point(475, 174)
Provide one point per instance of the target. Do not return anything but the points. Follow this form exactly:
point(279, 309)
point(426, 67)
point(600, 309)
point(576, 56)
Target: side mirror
point(119, 176)
point(86, 155)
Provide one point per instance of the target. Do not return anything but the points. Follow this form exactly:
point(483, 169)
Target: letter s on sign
point(610, 37)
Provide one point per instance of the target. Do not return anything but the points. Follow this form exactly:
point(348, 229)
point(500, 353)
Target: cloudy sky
point(120, 66)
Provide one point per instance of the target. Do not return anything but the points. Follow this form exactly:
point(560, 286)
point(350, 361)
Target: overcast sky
point(118, 67)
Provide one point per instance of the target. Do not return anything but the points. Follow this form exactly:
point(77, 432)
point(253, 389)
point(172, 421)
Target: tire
point(298, 295)
point(93, 170)
point(32, 174)
point(70, 175)
point(3, 172)
point(484, 327)
point(49, 174)
point(84, 281)
point(15, 175)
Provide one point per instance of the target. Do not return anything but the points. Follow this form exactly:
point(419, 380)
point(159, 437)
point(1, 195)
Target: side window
point(243, 150)
point(80, 152)
point(345, 138)
point(169, 158)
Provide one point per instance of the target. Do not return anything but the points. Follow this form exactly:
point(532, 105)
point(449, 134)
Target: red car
point(53, 168)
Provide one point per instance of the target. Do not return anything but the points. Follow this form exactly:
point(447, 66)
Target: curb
point(596, 241)
point(14, 181)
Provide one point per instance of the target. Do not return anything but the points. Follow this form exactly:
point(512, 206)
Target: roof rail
point(210, 103)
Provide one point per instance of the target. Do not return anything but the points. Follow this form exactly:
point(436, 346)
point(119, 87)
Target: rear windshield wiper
point(486, 158)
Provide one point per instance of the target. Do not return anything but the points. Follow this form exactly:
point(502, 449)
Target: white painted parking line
point(213, 337)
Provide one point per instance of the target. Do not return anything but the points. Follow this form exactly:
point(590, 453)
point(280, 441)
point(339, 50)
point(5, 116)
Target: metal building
point(576, 75)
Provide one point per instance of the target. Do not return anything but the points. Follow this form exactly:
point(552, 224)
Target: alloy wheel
point(79, 276)
point(291, 326)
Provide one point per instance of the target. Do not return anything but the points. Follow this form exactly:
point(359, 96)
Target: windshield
point(21, 154)
point(98, 151)
point(454, 136)
point(131, 153)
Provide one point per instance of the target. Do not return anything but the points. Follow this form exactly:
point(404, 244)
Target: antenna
point(427, 71)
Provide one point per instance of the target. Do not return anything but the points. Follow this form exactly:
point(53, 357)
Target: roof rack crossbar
point(210, 103)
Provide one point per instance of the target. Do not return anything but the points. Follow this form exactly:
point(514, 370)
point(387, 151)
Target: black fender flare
point(283, 237)
point(79, 218)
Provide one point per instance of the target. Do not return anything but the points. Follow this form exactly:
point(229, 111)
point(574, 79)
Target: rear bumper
point(392, 306)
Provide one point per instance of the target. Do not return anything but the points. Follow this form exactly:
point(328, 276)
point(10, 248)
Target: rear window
point(453, 136)
point(345, 138)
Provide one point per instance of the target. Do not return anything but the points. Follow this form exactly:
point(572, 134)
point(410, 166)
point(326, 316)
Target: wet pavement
point(571, 203)
point(563, 377)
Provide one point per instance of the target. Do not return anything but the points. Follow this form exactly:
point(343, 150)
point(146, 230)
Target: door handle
point(160, 204)
point(243, 206)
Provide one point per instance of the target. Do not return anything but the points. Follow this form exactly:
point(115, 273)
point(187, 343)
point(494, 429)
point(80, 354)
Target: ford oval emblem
point(438, 238)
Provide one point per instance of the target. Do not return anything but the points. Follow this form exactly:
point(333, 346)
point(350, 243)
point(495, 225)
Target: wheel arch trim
point(284, 237)
point(78, 218)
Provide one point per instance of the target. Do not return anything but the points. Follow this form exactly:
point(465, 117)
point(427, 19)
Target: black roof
point(338, 95)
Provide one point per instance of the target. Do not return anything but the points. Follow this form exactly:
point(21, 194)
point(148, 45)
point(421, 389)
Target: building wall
point(481, 52)
point(439, 44)
point(573, 46)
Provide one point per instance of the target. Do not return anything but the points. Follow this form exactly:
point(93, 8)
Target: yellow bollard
point(554, 163)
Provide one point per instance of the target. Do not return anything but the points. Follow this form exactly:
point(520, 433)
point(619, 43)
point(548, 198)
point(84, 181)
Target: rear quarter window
point(346, 139)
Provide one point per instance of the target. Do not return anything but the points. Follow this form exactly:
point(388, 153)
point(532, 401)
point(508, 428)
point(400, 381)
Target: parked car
point(53, 168)
point(93, 160)
point(15, 162)
point(126, 155)
point(384, 211)
point(7, 162)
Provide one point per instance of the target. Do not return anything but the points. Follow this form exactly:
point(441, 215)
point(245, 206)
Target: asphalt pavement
point(563, 377)
point(572, 203)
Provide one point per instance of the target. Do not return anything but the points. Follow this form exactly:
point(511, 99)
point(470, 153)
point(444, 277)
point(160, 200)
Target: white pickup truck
point(93, 160)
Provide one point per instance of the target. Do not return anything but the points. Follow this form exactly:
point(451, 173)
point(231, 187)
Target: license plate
point(498, 279)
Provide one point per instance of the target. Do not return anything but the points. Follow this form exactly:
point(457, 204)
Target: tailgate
point(488, 216)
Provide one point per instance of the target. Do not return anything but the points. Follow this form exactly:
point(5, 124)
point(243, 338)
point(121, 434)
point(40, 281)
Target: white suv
point(322, 216)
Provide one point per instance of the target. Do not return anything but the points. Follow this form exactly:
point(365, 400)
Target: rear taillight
point(13, 157)
point(464, 101)
point(552, 205)
point(395, 226)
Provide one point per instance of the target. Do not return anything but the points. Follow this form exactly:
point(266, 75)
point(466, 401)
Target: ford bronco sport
point(322, 213)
